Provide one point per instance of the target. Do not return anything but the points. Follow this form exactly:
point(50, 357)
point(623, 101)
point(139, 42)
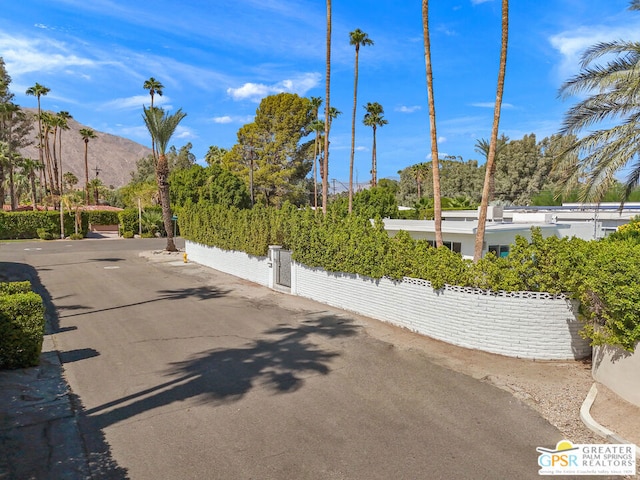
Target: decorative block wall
point(517, 324)
point(239, 264)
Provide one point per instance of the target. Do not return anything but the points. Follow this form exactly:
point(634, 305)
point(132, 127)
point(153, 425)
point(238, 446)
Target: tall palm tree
point(482, 215)
point(62, 123)
point(161, 126)
point(86, 134)
point(39, 91)
point(8, 113)
point(356, 38)
point(154, 87)
point(435, 162)
point(591, 163)
point(327, 110)
point(374, 119)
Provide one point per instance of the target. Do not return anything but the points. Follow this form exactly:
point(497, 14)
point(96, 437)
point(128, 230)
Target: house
point(459, 227)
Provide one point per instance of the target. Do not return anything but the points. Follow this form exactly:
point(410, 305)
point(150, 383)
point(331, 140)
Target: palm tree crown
point(154, 87)
point(592, 161)
point(374, 119)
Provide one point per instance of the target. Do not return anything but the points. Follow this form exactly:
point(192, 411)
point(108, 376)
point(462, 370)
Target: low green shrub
point(10, 288)
point(147, 235)
point(76, 236)
point(128, 234)
point(44, 234)
point(21, 329)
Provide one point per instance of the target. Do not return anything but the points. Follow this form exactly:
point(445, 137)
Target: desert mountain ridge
point(114, 157)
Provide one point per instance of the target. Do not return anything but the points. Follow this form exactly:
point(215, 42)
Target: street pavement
point(175, 371)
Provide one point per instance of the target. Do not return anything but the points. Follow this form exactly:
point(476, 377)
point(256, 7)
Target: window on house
point(453, 246)
point(499, 250)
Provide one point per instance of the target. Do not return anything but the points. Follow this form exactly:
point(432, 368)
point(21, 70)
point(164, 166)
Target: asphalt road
point(189, 373)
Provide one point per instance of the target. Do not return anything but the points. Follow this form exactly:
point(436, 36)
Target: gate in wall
point(282, 263)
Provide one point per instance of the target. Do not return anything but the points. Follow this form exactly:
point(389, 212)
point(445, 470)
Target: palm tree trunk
point(482, 216)
point(12, 188)
point(373, 159)
point(163, 184)
point(435, 165)
point(315, 172)
point(86, 172)
point(327, 116)
point(353, 129)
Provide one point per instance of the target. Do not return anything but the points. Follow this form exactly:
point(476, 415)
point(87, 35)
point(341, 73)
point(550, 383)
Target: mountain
point(114, 157)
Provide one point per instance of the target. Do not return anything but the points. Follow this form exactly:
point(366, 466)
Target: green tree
point(435, 158)
point(145, 170)
point(317, 126)
point(269, 154)
point(161, 127)
point(356, 38)
point(593, 161)
point(215, 155)
point(482, 216)
point(374, 119)
point(70, 179)
point(86, 134)
point(483, 146)
point(181, 159)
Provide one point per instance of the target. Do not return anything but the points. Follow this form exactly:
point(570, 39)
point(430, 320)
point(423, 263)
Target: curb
point(591, 424)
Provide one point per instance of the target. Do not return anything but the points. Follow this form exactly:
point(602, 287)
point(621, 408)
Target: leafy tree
point(269, 154)
point(161, 127)
point(432, 127)
point(145, 170)
point(482, 216)
point(181, 159)
point(483, 146)
point(374, 119)
point(215, 155)
point(356, 38)
point(86, 134)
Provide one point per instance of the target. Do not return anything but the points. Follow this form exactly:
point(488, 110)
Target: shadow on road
point(201, 293)
point(278, 362)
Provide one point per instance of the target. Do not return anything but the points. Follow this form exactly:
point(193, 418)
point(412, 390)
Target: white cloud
point(407, 109)
point(233, 119)
point(224, 119)
point(478, 2)
point(442, 139)
point(490, 105)
point(571, 44)
point(136, 101)
point(26, 55)
point(256, 91)
point(184, 132)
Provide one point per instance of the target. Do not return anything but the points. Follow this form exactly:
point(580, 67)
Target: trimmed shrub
point(76, 236)
point(25, 225)
point(11, 288)
point(128, 234)
point(21, 329)
point(44, 234)
point(102, 217)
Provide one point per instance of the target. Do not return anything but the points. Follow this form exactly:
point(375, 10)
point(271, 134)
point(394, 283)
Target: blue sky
point(217, 59)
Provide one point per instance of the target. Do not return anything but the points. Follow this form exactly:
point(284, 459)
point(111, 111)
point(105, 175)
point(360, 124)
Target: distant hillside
point(114, 156)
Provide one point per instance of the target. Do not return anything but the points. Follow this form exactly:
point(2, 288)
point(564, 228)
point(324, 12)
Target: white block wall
point(239, 264)
point(519, 324)
point(516, 324)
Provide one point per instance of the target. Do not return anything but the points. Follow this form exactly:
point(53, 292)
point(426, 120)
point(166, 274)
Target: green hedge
point(25, 225)
point(128, 219)
point(21, 330)
point(603, 275)
point(102, 217)
point(10, 288)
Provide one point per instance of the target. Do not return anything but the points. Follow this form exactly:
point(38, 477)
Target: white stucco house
point(459, 227)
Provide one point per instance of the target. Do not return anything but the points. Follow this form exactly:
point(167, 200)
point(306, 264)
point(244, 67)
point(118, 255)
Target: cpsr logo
point(587, 459)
